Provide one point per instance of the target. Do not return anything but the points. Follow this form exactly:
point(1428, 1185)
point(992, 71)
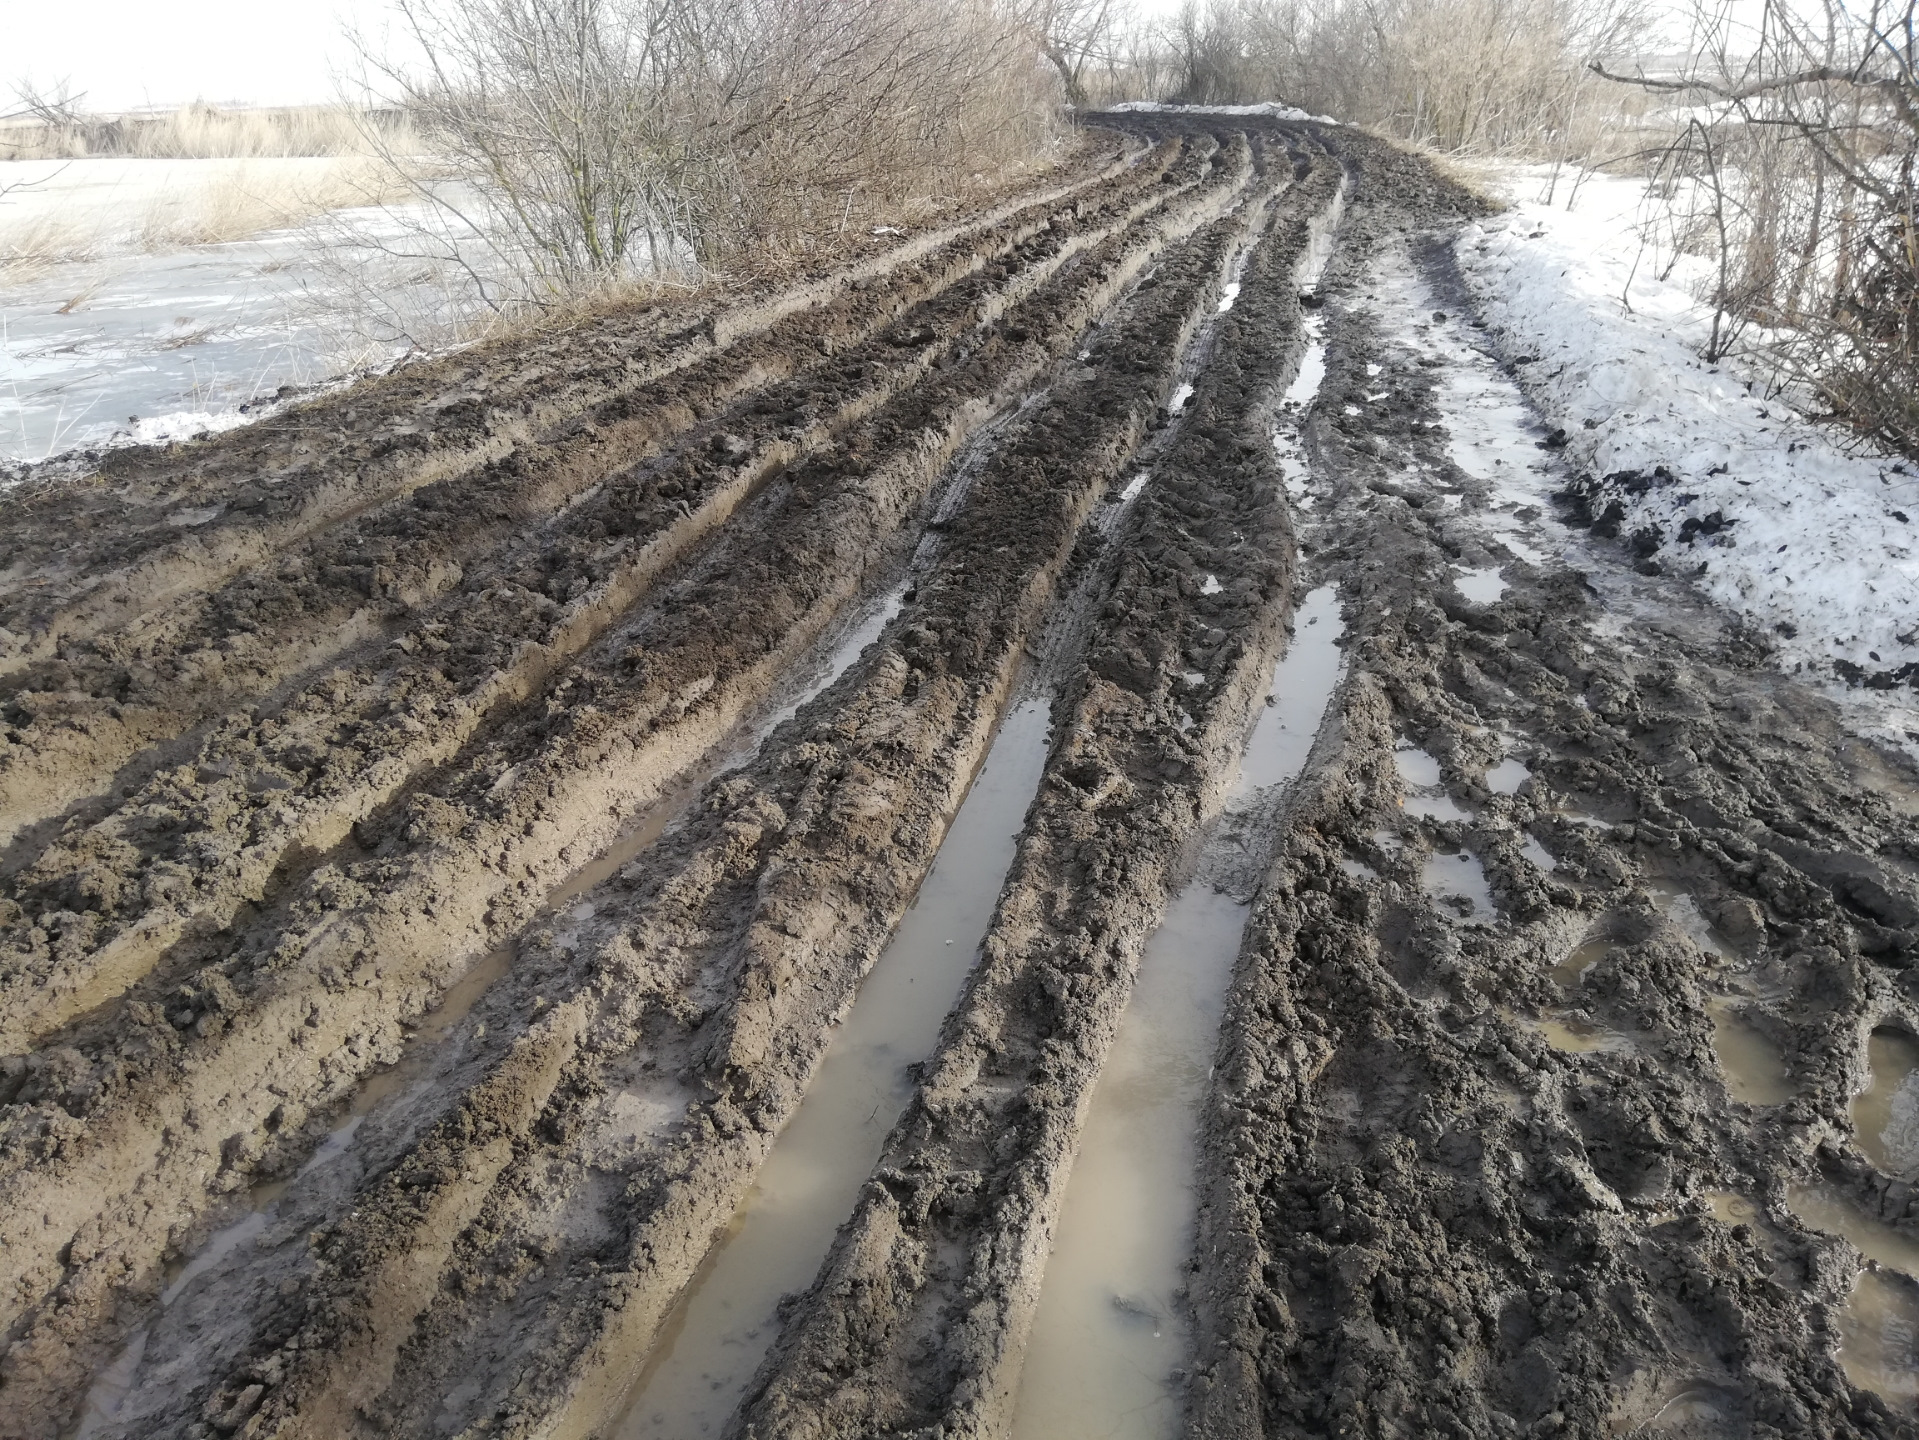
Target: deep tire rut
point(432, 874)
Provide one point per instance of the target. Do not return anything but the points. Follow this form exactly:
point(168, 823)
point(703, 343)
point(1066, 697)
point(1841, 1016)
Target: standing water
point(718, 1333)
point(1885, 1114)
point(1110, 1334)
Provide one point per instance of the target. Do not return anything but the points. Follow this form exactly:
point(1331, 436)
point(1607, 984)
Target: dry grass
point(206, 132)
point(234, 202)
point(247, 200)
point(32, 247)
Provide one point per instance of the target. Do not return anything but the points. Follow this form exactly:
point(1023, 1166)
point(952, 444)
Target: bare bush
point(1506, 76)
point(1795, 171)
point(580, 141)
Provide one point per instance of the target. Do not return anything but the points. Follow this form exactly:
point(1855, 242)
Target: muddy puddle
point(1751, 1065)
point(720, 1329)
point(1110, 1334)
point(1539, 855)
point(1570, 973)
point(1288, 442)
point(1459, 884)
point(1507, 776)
point(1885, 1115)
point(1879, 1324)
point(1482, 586)
point(1571, 1035)
point(1425, 793)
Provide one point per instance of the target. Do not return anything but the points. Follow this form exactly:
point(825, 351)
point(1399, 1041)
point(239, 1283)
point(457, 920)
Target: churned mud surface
point(444, 829)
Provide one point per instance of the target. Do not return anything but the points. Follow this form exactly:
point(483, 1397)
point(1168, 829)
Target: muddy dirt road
point(593, 888)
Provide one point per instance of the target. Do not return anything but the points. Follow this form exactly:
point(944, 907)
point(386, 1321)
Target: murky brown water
point(1110, 1331)
point(1579, 1037)
point(699, 1366)
point(1754, 1070)
point(1879, 1326)
point(1885, 1115)
point(1571, 972)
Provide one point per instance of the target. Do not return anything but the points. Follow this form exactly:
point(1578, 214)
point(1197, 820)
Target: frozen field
point(114, 324)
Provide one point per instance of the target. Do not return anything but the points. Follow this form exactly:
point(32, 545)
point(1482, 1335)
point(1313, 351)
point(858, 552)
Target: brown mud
point(399, 1006)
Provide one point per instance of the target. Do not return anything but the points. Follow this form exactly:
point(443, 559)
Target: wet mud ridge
point(492, 856)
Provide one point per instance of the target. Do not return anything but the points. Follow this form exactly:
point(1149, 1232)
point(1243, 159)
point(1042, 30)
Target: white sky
point(130, 53)
point(126, 54)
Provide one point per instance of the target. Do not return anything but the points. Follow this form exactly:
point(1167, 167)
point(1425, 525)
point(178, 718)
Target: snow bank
point(1782, 520)
point(1272, 109)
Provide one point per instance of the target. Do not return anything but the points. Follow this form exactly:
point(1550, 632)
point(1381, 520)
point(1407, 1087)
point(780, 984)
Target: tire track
point(81, 559)
point(105, 902)
point(949, 1238)
point(535, 833)
point(78, 720)
point(1491, 1164)
point(825, 836)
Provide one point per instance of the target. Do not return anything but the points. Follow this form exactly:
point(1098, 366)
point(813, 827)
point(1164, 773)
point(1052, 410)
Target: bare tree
point(1800, 153)
point(588, 139)
point(1076, 37)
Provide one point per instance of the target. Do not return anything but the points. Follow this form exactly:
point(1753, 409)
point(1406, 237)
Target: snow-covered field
point(1811, 536)
point(106, 333)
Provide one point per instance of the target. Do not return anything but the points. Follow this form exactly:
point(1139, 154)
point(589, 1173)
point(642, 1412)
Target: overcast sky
point(130, 53)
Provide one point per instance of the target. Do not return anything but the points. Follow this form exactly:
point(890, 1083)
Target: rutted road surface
point(475, 848)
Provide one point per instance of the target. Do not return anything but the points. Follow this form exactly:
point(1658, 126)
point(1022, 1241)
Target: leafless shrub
point(1507, 76)
point(1798, 154)
point(581, 141)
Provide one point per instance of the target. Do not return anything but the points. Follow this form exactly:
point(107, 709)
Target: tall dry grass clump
point(586, 140)
point(1795, 170)
point(60, 130)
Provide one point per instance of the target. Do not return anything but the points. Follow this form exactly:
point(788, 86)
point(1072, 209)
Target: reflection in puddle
point(1879, 1336)
point(1754, 1071)
point(1302, 686)
point(1109, 1332)
point(1288, 445)
point(1539, 855)
point(1416, 767)
point(1682, 911)
point(1459, 883)
point(1425, 797)
point(1879, 1327)
point(1571, 971)
point(1507, 776)
point(1885, 1114)
point(1482, 587)
point(1312, 365)
point(1579, 1037)
point(725, 1319)
point(1435, 807)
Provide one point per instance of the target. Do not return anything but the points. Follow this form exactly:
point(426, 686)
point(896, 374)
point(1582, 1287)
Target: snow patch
point(1806, 533)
